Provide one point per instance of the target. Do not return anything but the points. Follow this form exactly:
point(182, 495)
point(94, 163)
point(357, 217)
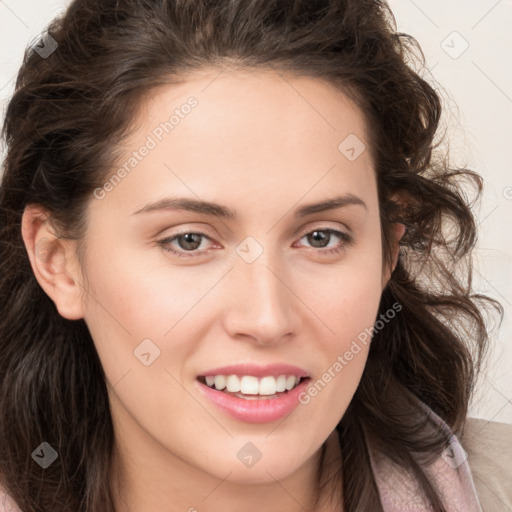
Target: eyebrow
point(218, 210)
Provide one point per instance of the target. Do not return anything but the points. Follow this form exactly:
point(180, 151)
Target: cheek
point(139, 295)
point(133, 299)
point(345, 298)
point(348, 304)
point(351, 314)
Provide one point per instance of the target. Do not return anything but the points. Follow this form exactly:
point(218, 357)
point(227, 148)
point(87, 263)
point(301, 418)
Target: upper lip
point(257, 371)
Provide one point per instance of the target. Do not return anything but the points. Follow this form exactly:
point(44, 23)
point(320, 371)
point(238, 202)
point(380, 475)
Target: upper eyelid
point(301, 234)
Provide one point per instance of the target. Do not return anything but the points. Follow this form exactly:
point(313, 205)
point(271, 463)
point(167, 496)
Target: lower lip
point(255, 411)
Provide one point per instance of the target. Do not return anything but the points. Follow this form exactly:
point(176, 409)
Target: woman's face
point(267, 286)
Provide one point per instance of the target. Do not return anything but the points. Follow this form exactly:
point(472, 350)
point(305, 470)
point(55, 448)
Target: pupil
point(317, 236)
point(187, 238)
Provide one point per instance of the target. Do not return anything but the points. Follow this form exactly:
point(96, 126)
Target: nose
point(261, 304)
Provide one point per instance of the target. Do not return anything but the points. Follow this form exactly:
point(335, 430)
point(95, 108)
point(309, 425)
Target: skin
point(262, 144)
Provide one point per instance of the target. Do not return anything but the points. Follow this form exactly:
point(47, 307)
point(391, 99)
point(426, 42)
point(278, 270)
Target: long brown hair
point(62, 124)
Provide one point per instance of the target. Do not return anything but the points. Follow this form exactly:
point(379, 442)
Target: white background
point(476, 85)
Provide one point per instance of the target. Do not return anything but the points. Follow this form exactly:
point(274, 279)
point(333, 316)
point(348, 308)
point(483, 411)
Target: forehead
point(260, 102)
point(264, 133)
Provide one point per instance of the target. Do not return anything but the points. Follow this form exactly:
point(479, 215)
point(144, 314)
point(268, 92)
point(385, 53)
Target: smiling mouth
point(254, 395)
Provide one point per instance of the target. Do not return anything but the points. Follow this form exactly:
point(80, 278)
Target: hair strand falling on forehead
point(62, 125)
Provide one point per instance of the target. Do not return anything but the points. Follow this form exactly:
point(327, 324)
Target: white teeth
point(267, 386)
point(250, 385)
point(232, 383)
point(281, 383)
point(290, 382)
point(220, 382)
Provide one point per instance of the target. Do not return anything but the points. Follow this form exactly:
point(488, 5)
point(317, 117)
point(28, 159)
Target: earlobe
point(50, 259)
point(398, 232)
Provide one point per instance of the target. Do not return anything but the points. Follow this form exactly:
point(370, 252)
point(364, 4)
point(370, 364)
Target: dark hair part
point(61, 128)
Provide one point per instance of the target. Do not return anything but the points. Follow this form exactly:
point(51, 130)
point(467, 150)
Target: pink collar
point(451, 474)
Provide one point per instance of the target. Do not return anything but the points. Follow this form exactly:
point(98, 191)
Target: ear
point(398, 231)
point(53, 262)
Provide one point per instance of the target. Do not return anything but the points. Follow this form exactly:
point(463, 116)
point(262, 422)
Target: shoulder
point(489, 449)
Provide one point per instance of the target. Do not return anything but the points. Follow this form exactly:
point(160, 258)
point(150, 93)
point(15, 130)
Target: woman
point(227, 280)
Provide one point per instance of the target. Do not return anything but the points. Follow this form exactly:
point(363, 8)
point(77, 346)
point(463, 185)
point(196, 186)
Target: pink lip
point(257, 371)
point(255, 411)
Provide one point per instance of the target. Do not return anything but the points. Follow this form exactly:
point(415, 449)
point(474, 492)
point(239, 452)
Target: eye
point(320, 235)
point(190, 241)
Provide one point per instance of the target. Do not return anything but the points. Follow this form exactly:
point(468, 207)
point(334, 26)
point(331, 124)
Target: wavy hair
point(62, 126)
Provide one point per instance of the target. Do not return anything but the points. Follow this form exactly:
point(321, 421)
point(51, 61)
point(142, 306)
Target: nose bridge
point(262, 303)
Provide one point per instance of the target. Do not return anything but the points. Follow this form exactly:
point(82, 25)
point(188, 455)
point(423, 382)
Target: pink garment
point(6, 503)
point(398, 491)
point(450, 473)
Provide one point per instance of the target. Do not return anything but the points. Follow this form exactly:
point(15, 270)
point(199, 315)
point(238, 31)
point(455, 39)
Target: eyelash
point(164, 243)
